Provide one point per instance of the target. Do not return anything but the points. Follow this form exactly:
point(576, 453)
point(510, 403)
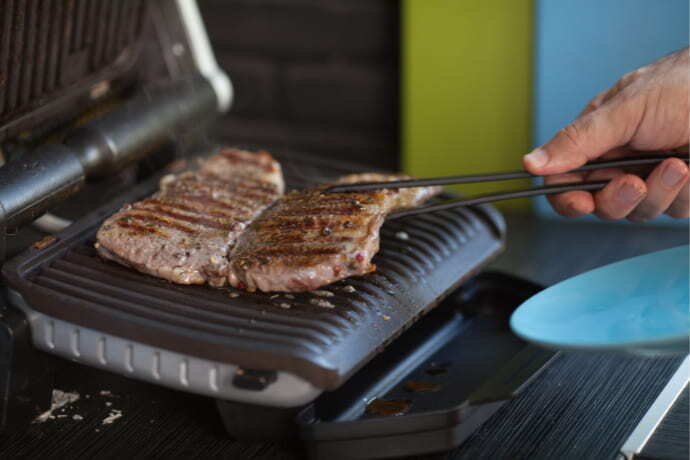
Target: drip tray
point(428, 391)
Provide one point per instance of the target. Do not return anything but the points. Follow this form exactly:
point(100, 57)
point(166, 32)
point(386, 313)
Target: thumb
point(585, 139)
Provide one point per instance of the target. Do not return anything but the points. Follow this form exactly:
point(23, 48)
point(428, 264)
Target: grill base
point(156, 365)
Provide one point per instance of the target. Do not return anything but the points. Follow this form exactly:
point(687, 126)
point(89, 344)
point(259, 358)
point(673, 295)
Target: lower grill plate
point(422, 258)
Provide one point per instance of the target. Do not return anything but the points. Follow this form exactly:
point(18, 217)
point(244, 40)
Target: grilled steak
point(184, 232)
point(309, 239)
point(404, 197)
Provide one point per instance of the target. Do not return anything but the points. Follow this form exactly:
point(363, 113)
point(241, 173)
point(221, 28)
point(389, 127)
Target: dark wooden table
point(582, 407)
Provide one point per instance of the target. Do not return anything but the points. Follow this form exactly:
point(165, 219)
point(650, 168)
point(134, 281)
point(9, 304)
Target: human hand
point(646, 110)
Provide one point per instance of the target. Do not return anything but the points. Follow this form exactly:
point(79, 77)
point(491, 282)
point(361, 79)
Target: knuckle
point(571, 134)
point(591, 107)
point(600, 96)
point(630, 76)
point(620, 84)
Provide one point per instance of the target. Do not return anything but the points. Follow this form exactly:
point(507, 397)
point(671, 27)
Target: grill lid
point(323, 336)
point(54, 51)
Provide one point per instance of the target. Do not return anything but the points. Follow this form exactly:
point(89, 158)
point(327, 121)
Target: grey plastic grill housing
point(157, 365)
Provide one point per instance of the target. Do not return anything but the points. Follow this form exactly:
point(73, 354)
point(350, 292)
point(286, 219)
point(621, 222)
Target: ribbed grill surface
point(47, 46)
point(322, 336)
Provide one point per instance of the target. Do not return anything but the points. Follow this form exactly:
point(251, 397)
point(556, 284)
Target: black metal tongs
point(648, 160)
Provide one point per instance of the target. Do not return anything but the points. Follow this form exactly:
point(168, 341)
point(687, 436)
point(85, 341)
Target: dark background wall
point(318, 76)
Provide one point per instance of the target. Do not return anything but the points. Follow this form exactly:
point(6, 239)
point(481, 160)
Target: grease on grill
point(389, 407)
point(421, 387)
point(321, 303)
point(438, 368)
point(44, 242)
point(402, 236)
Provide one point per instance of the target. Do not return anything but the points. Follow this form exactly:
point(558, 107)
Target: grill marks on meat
point(184, 232)
point(308, 239)
point(184, 213)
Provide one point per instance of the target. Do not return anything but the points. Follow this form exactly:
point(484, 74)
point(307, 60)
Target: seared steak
point(309, 239)
point(404, 197)
point(184, 232)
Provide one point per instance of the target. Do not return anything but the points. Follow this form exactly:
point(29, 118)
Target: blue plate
point(640, 305)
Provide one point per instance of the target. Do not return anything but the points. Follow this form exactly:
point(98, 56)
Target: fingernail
point(628, 194)
point(537, 158)
point(672, 174)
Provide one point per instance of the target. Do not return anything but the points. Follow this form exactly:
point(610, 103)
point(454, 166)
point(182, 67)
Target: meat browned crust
point(309, 239)
point(404, 198)
point(184, 232)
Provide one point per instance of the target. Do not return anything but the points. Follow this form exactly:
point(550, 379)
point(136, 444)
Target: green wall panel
point(466, 87)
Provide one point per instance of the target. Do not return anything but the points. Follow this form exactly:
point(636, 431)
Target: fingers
point(663, 185)
point(628, 195)
point(570, 204)
point(646, 110)
point(620, 197)
point(680, 208)
point(588, 137)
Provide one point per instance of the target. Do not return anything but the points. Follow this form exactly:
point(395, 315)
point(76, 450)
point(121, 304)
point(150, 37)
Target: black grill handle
point(141, 125)
point(32, 184)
